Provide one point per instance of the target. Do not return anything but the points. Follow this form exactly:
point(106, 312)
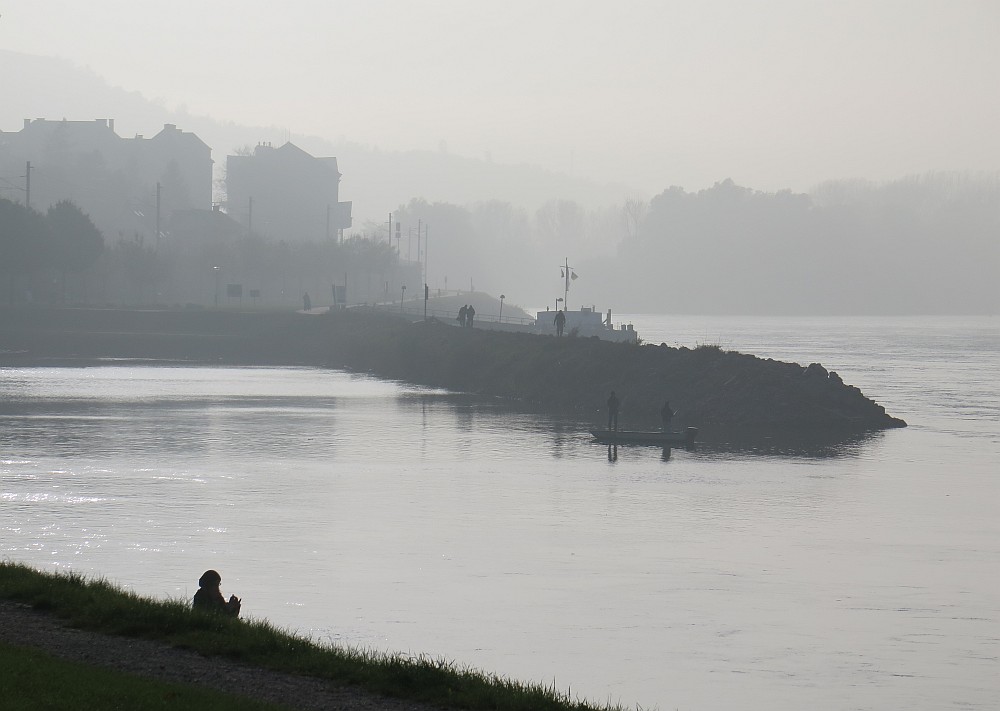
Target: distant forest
point(919, 245)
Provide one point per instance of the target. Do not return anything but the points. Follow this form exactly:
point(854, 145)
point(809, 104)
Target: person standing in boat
point(666, 415)
point(613, 405)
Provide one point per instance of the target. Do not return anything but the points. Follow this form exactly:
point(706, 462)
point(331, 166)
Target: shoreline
point(718, 391)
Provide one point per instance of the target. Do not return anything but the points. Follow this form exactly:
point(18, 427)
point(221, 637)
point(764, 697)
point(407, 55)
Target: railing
point(415, 308)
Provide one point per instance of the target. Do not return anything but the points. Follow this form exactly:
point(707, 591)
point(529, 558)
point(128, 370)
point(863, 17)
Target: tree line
point(920, 245)
point(40, 251)
point(924, 244)
point(59, 256)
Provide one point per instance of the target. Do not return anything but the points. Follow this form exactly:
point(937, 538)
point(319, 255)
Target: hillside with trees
point(920, 245)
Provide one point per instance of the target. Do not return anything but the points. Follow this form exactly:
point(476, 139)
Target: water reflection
point(248, 414)
point(808, 444)
point(390, 517)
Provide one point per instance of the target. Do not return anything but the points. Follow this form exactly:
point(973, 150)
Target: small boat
point(664, 439)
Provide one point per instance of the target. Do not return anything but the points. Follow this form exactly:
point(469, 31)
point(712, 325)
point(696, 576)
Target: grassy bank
point(97, 605)
point(709, 387)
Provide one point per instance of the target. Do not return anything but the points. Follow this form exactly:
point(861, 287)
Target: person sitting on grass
point(210, 598)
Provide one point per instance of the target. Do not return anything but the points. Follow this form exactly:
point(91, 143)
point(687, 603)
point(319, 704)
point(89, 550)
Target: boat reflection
point(805, 444)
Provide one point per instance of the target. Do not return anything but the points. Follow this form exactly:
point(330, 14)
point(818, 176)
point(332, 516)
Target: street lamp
point(500, 318)
point(217, 269)
point(401, 297)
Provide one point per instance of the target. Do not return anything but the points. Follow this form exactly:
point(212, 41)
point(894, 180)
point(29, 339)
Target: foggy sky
point(774, 94)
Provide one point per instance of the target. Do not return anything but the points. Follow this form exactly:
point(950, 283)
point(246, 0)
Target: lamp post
point(402, 296)
point(217, 269)
point(500, 318)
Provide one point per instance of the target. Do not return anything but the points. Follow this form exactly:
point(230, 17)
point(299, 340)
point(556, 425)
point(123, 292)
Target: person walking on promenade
point(613, 405)
point(469, 315)
point(560, 322)
point(462, 313)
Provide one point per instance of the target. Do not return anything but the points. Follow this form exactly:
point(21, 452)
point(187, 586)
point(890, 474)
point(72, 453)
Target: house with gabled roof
point(287, 194)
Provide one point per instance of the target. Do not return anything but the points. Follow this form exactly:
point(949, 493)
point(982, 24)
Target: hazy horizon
point(775, 95)
point(653, 145)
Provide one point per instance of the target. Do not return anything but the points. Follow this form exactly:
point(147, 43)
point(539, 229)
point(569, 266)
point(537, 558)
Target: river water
point(397, 518)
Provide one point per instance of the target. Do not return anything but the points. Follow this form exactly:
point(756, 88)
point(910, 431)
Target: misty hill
point(919, 245)
point(377, 181)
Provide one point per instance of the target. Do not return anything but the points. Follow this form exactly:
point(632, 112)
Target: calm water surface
point(403, 519)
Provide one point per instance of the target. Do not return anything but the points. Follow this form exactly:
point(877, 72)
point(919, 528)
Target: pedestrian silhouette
point(666, 415)
point(560, 322)
point(613, 405)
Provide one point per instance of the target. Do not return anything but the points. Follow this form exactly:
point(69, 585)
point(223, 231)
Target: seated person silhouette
point(210, 598)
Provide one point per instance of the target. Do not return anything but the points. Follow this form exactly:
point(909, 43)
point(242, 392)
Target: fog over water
point(397, 518)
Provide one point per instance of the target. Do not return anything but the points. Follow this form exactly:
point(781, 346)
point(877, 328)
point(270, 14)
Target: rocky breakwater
point(708, 387)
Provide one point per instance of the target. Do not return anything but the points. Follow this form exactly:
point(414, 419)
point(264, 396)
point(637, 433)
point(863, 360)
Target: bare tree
point(634, 211)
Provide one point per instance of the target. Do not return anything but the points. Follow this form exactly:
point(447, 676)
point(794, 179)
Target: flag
point(572, 275)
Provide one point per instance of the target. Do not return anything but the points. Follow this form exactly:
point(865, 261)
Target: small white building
point(585, 323)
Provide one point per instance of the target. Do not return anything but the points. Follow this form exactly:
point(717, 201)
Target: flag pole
point(566, 287)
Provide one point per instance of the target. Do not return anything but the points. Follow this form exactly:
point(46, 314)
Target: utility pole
point(27, 185)
point(426, 245)
point(250, 218)
point(420, 263)
point(328, 222)
point(566, 287)
point(389, 237)
point(157, 217)
point(567, 270)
